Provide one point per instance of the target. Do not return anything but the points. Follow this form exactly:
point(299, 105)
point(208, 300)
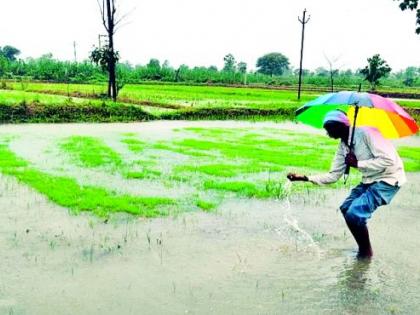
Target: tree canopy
point(9, 52)
point(230, 63)
point(242, 66)
point(413, 6)
point(376, 69)
point(273, 64)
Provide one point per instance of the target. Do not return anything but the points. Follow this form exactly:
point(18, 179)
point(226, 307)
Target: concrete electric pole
point(303, 21)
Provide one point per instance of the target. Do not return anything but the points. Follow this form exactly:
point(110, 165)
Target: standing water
point(289, 256)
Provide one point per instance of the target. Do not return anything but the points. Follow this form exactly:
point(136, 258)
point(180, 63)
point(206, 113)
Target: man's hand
point(351, 160)
point(295, 177)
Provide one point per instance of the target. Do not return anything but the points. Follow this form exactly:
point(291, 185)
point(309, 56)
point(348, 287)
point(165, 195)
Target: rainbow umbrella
point(362, 109)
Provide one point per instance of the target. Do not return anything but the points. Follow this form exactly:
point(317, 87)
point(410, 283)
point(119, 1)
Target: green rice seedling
point(205, 205)
point(241, 188)
point(134, 145)
point(411, 158)
point(179, 178)
point(222, 170)
point(90, 152)
point(214, 132)
point(284, 155)
point(66, 192)
point(168, 146)
point(409, 103)
point(145, 163)
point(275, 188)
point(18, 106)
point(93, 152)
point(205, 96)
point(227, 170)
point(143, 174)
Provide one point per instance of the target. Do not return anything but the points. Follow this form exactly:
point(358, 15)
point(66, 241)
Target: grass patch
point(227, 170)
point(134, 145)
point(205, 205)
point(19, 106)
point(142, 174)
point(93, 152)
point(280, 153)
point(90, 152)
point(169, 146)
point(411, 158)
point(68, 193)
point(241, 188)
point(219, 163)
point(409, 103)
point(55, 102)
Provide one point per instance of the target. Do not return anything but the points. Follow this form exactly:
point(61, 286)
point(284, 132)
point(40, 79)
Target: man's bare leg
point(361, 235)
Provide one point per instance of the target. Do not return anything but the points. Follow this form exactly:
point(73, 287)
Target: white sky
point(202, 32)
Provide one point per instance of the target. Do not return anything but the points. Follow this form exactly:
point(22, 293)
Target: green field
point(202, 166)
point(153, 101)
point(178, 95)
point(210, 163)
point(186, 96)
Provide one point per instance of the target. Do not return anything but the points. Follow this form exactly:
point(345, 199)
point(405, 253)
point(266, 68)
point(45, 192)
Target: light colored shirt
point(377, 158)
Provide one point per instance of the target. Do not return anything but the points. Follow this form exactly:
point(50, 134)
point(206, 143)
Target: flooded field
point(216, 231)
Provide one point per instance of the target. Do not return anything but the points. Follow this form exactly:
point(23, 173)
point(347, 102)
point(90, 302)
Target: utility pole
point(100, 40)
point(303, 21)
point(74, 51)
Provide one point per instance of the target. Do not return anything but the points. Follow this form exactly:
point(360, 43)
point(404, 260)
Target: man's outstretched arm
point(337, 170)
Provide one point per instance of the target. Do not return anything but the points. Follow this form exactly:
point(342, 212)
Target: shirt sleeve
point(337, 169)
point(382, 150)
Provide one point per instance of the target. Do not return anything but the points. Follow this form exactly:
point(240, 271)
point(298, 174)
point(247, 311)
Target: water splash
point(302, 237)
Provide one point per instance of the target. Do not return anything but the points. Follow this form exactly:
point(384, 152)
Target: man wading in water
point(381, 167)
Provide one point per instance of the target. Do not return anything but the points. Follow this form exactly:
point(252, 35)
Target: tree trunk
point(177, 74)
point(332, 81)
point(112, 86)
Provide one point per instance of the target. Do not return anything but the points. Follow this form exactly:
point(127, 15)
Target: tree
point(321, 71)
point(412, 5)
point(154, 64)
point(333, 71)
point(273, 64)
point(230, 63)
point(166, 65)
point(107, 56)
point(376, 69)
point(4, 65)
point(154, 69)
point(102, 57)
point(9, 52)
point(305, 72)
point(409, 75)
point(242, 67)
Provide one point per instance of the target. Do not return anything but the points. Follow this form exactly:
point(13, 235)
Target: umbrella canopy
point(373, 110)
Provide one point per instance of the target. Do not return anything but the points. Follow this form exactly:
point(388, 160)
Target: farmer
point(381, 167)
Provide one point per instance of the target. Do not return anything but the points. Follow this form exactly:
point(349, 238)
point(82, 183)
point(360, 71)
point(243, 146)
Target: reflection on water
point(353, 283)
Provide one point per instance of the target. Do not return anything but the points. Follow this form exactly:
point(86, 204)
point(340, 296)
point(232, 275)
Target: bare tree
point(333, 70)
point(106, 55)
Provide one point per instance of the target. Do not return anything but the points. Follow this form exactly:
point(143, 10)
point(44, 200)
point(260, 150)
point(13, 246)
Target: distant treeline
point(47, 68)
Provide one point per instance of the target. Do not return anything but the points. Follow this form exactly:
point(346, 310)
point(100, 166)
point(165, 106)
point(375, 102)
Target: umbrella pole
point(347, 171)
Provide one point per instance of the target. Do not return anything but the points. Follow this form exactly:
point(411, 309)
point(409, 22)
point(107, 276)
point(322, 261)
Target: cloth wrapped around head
point(337, 115)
